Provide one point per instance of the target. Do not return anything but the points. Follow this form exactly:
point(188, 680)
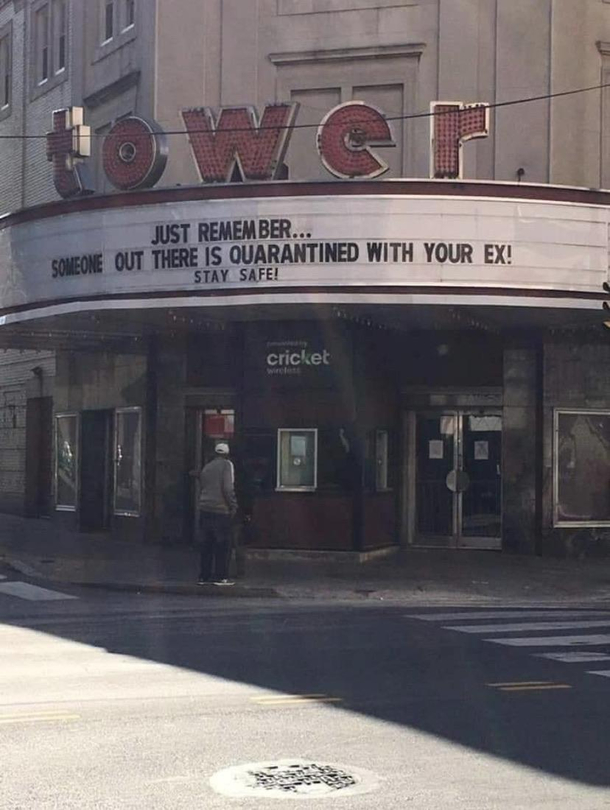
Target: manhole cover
point(293, 779)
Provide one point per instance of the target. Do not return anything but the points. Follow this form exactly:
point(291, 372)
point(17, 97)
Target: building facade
point(394, 361)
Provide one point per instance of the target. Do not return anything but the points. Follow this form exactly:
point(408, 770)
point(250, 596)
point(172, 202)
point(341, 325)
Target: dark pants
point(216, 538)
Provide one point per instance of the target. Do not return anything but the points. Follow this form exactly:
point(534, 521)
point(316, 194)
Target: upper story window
point(50, 41)
point(6, 73)
point(116, 18)
point(108, 20)
point(129, 15)
point(42, 44)
point(60, 35)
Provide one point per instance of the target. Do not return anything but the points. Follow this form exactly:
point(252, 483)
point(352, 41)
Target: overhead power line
point(410, 117)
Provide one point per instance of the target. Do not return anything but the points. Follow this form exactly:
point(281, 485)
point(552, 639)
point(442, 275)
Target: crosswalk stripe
point(505, 614)
point(552, 641)
point(575, 657)
point(502, 630)
point(33, 593)
point(526, 626)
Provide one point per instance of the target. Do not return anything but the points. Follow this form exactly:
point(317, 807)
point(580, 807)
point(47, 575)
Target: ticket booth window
point(297, 459)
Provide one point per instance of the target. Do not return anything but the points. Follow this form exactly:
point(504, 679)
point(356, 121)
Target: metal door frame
point(457, 540)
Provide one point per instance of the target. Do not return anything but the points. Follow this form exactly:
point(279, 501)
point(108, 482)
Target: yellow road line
point(59, 718)
point(520, 683)
point(265, 698)
point(49, 713)
point(282, 700)
point(532, 688)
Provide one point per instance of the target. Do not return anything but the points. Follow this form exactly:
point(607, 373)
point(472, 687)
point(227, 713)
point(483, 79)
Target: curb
point(420, 597)
point(239, 591)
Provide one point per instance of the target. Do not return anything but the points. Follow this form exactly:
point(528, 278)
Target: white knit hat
point(222, 448)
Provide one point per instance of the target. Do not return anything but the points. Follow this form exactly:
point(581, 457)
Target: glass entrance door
point(458, 487)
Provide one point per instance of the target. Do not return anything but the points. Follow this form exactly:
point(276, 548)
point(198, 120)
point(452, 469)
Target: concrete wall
point(401, 56)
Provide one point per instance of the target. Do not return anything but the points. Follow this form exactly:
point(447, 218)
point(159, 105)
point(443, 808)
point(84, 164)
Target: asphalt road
point(125, 701)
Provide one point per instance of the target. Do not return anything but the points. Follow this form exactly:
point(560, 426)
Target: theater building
point(394, 361)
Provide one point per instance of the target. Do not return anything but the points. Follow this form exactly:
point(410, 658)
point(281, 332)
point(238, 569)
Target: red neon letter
point(67, 144)
point(135, 154)
point(236, 141)
point(453, 124)
point(345, 138)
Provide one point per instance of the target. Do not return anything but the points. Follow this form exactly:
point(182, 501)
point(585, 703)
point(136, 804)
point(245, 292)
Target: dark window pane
point(255, 462)
point(109, 21)
point(128, 463)
point(337, 466)
point(66, 461)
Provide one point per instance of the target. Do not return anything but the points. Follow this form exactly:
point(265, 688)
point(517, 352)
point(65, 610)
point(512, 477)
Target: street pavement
point(119, 700)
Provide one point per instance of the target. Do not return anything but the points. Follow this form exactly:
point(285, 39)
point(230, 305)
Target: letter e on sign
point(345, 138)
point(451, 125)
point(134, 154)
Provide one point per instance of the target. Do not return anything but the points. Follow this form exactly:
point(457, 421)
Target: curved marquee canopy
point(392, 243)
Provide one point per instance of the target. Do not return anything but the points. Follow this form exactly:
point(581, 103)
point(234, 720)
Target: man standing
point(217, 509)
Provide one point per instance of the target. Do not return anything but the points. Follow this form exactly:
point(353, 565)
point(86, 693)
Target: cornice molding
point(414, 49)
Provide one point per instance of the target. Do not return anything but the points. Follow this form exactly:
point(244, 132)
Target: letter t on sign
point(452, 124)
point(67, 145)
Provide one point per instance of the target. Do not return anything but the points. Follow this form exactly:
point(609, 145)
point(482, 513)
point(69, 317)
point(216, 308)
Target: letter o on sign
point(134, 154)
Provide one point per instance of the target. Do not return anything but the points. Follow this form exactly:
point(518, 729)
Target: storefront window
point(66, 462)
point(297, 459)
point(582, 467)
point(128, 462)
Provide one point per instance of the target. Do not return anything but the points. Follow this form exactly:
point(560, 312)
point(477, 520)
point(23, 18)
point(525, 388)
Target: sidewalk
point(40, 550)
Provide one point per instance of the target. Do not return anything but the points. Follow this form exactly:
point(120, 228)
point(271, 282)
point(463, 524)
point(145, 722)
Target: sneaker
point(224, 582)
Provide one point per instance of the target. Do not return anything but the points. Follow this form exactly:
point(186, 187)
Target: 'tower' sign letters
point(235, 144)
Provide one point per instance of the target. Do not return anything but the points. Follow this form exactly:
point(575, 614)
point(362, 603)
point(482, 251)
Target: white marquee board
point(313, 243)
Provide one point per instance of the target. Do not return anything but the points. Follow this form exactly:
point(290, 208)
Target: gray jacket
point(217, 487)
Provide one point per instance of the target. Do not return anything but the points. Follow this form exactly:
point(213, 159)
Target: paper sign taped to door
point(481, 451)
point(436, 449)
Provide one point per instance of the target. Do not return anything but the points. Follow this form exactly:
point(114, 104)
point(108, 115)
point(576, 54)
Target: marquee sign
point(235, 144)
point(278, 246)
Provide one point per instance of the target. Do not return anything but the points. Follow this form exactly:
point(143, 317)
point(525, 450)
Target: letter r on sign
point(67, 145)
point(452, 124)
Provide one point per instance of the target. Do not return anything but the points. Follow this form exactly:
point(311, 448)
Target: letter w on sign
point(452, 125)
point(236, 141)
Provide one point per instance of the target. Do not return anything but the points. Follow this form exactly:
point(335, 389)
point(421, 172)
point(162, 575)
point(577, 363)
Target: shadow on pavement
point(381, 665)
